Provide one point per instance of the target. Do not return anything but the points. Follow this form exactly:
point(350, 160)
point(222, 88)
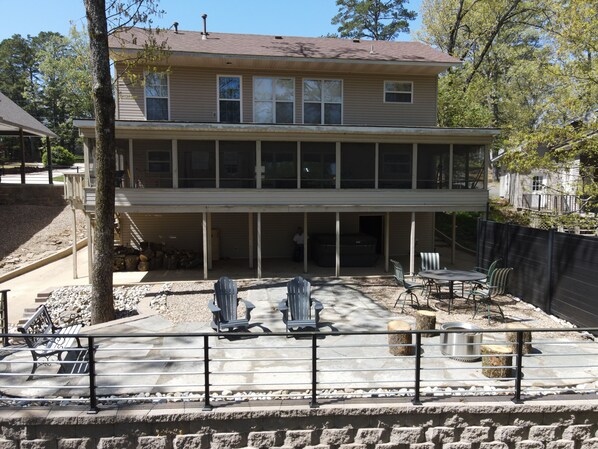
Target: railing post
point(314, 369)
point(206, 367)
point(418, 353)
point(93, 400)
point(519, 369)
point(4, 317)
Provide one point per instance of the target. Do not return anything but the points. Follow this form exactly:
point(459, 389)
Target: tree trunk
point(102, 301)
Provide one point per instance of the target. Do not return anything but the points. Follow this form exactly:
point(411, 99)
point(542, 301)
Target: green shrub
point(60, 156)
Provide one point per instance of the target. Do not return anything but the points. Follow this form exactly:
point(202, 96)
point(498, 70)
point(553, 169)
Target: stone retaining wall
point(32, 194)
point(554, 425)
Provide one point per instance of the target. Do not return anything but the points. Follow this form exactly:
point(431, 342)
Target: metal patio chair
point(431, 261)
point(409, 287)
point(484, 294)
point(488, 272)
point(224, 307)
point(299, 309)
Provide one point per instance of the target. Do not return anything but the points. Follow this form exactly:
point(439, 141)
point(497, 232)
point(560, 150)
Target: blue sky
point(276, 17)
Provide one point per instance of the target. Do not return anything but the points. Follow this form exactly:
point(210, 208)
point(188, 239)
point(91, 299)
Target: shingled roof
point(13, 118)
point(300, 48)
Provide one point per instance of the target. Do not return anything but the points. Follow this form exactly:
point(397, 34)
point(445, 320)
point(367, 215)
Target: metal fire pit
point(463, 346)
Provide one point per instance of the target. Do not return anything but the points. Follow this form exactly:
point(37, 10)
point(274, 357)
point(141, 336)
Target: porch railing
point(311, 367)
point(550, 202)
point(74, 188)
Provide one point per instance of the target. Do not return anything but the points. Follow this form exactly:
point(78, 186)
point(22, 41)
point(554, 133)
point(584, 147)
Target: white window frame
point(167, 76)
point(397, 92)
point(240, 100)
point(273, 99)
point(322, 102)
point(539, 183)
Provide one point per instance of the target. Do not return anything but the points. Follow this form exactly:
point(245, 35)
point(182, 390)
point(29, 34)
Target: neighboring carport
point(15, 122)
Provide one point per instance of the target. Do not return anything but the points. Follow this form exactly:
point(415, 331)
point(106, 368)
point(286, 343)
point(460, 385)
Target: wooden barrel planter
point(512, 338)
point(497, 361)
point(400, 344)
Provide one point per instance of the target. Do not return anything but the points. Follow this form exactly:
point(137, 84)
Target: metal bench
point(46, 340)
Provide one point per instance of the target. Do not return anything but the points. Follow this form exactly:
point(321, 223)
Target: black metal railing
point(113, 369)
point(4, 315)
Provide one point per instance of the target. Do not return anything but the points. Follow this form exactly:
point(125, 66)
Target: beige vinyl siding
point(234, 235)
point(193, 97)
point(130, 96)
point(174, 231)
point(364, 102)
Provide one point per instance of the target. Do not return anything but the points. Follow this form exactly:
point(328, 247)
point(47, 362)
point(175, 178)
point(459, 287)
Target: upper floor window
point(398, 92)
point(229, 99)
point(273, 100)
point(156, 96)
point(322, 102)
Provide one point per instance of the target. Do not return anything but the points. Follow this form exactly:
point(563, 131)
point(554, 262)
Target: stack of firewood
point(154, 256)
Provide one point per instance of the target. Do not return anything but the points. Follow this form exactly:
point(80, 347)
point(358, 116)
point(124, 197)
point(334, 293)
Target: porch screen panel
point(237, 164)
point(123, 170)
point(468, 166)
point(318, 165)
point(395, 162)
point(279, 161)
point(433, 166)
point(152, 162)
point(197, 163)
point(358, 165)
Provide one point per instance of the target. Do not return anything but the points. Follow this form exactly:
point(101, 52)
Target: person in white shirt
point(299, 241)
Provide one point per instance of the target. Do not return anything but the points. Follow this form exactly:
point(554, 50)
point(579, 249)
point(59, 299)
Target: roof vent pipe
point(204, 34)
point(176, 27)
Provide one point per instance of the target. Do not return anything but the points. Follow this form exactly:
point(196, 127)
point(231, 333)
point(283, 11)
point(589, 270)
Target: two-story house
point(247, 137)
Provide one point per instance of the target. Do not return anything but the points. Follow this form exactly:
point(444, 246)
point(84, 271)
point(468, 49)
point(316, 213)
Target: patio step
point(42, 297)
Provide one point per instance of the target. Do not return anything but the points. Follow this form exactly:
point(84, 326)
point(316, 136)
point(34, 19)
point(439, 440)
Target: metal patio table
point(452, 276)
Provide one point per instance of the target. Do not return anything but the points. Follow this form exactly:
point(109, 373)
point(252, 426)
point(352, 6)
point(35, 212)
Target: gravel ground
point(30, 233)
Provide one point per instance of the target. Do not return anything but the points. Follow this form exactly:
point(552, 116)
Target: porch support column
point(210, 254)
point(22, 142)
point(250, 227)
point(337, 269)
point(386, 240)
point(204, 225)
point(74, 241)
point(86, 162)
point(412, 245)
point(131, 165)
point(50, 176)
point(175, 164)
point(259, 245)
point(454, 238)
point(90, 245)
point(305, 241)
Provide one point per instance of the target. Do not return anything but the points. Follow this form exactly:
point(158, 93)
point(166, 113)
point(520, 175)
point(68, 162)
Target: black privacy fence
point(554, 271)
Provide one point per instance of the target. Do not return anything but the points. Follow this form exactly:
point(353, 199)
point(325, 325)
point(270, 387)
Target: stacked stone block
point(411, 428)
